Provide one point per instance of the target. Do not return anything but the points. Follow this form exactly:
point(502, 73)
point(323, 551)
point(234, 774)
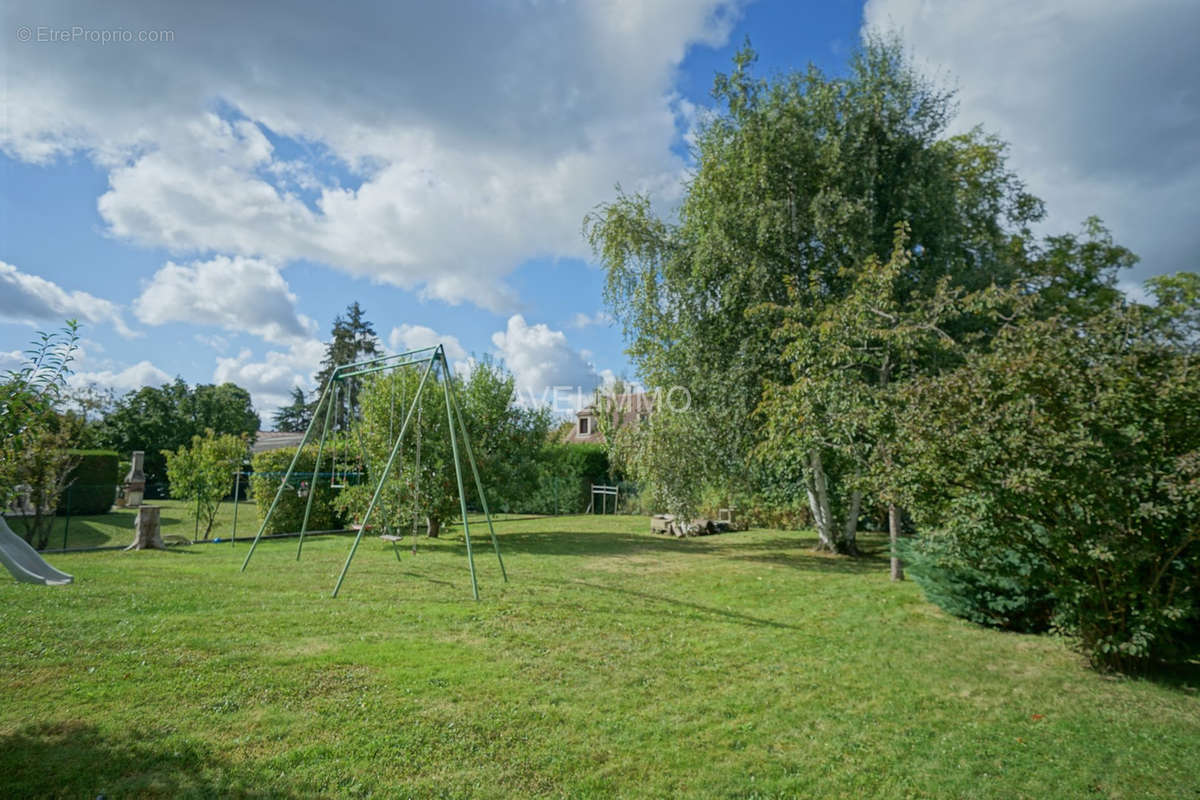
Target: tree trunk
point(894, 537)
point(433, 526)
point(849, 543)
point(146, 534)
point(818, 502)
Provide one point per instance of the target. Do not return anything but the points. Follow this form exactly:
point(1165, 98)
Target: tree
point(1076, 446)
point(505, 436)
point(34, 438)
point(352, 339)
point(505, 440)
point(665, 454)
point(165, 418)
point(847, 360)
point(295, 416)
point(796, 180)
point(203, 473)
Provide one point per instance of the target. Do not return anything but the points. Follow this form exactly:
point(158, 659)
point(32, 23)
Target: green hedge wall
point(269, 469)
point(92, 483)
point(565, 475)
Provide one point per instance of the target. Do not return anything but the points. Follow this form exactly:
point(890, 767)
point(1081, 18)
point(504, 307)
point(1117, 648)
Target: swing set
point(341, 385)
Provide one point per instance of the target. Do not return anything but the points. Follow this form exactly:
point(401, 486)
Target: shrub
point(1000, 588)
point(269, 469)
point(92, 483)
point(1078, 444)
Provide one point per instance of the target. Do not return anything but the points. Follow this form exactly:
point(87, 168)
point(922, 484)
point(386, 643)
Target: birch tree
point(795, 180)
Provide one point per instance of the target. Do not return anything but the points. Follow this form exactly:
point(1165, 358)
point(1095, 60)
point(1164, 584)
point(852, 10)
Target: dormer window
point(583, 426)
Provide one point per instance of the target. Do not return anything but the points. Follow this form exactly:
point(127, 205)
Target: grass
point(116, 527)
point(614, 663)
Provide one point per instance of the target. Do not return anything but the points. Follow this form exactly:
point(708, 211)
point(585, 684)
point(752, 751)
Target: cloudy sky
point(206, 190)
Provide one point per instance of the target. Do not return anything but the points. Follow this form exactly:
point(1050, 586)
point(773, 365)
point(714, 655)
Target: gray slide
point(24, 562)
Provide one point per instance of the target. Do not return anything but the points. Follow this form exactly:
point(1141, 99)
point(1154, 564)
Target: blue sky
point(206, 205)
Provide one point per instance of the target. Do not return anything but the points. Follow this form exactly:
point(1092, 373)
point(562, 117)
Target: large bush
point(93, 482)
point(269, 469)
point(1001, 588)
point(1077, 445)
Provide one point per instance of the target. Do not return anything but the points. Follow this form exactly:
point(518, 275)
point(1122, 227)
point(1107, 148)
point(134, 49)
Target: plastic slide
point(24, 562)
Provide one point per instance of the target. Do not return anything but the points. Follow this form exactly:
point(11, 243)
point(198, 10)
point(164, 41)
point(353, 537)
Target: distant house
point(275, 440)
point(626, 409)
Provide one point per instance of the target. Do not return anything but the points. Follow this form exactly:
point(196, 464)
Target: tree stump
point(146, 535)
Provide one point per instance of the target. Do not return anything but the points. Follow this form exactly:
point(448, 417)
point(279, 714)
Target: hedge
point(269, 469)
point(565, 475)
point(92, 484)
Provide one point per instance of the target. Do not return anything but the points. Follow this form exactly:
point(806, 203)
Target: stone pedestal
point(135, 481)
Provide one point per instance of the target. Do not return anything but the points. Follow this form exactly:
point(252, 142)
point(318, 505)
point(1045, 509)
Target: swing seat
point(391, 537)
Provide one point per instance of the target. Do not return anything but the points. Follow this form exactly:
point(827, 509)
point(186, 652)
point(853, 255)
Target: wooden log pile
point(670, 525)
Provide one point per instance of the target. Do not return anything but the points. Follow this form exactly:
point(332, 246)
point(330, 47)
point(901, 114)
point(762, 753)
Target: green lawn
point(116, 527)
point(615, 663)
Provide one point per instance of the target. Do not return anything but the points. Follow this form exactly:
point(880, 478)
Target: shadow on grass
point(1181, 676)
point(794, 551)
point(715, 612)
point(75, 759)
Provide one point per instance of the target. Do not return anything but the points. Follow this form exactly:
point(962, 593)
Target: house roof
point(275, 440)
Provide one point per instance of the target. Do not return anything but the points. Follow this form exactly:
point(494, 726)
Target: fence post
point(237, 485)
point(196, 529)
point(67, 523)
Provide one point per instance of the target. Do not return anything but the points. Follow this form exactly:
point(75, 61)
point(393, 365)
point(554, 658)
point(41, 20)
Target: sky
point(206, 185)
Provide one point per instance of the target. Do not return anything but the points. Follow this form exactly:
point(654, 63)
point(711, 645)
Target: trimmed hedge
point(92, 483)
point(565, 475)
point(269, 469)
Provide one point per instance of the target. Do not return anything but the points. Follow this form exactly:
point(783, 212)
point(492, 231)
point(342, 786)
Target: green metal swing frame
point(433, 357)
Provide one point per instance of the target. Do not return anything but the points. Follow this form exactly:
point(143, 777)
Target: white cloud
point(215, 341)
point(413, 337)
point(462, 144)
point(237, 294)
point(1099, 102)
point(582, 320)
point(34, 300)
point(540, 360)
point(130, 378)
point(270, 380)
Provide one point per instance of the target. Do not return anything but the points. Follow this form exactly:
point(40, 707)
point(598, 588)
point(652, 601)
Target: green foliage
point(428, 492)
point(1077, 444)
point(269, 468)
point(667, 456)
point(34, 437)
point(27, 398)
point(295, 416)
point(999, 587)
point(92, 482)
point(204, 473)
point(352, 339)
point(166, 418)
point(796, 179)
point(505, 439)
point(565, 474)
